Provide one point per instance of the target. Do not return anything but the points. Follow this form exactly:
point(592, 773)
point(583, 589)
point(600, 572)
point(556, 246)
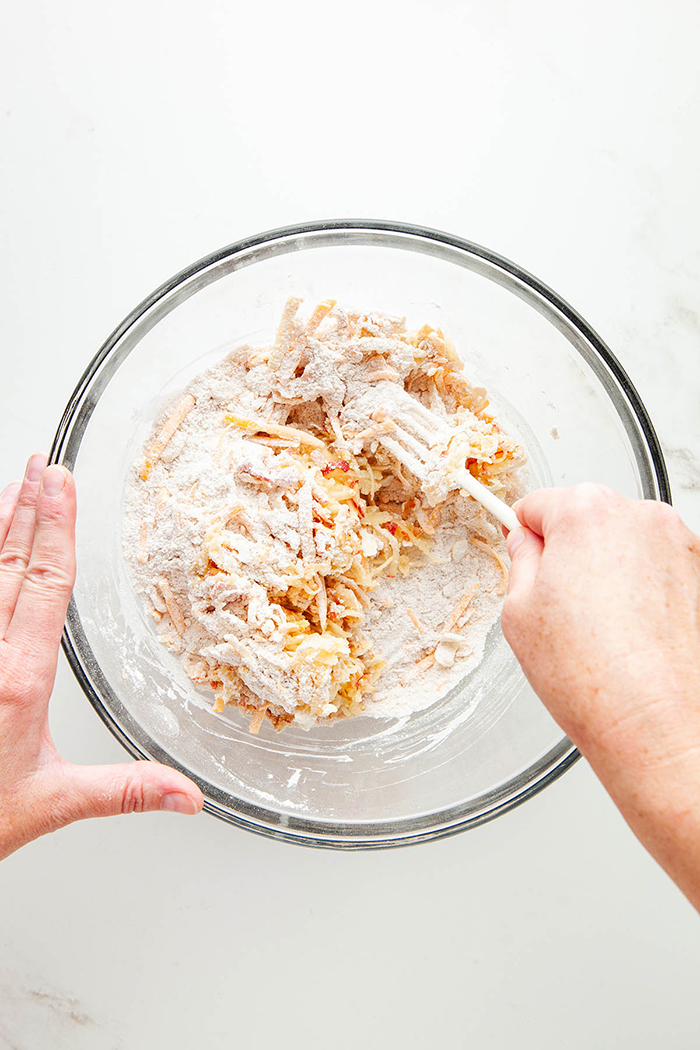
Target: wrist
point(644, 745)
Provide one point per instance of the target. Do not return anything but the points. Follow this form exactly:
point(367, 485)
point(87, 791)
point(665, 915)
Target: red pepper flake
point(340, 464)
point(391, 526)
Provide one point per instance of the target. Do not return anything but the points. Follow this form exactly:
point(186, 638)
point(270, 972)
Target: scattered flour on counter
point(298, 568)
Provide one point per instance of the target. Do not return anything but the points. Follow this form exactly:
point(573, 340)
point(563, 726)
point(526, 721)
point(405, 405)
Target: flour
point(300, 570)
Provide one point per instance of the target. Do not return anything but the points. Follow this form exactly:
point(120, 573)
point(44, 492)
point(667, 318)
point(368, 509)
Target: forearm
point(649, 762)
point(602, 613)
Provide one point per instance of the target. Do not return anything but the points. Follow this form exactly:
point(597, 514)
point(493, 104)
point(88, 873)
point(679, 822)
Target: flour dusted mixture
point(302, 570)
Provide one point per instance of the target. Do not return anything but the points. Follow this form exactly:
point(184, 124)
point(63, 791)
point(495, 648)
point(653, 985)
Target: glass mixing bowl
point(358, 783)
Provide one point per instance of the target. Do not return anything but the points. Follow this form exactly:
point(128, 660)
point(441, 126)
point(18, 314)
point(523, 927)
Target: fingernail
point(36, 466)
point(10, 493)
point(515, 538)
point(53, 481)
point(176, 802)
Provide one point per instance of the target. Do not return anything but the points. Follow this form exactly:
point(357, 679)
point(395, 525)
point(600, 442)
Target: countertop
point(138, 137)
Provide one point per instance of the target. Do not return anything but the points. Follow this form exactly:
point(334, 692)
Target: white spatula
point(419, 439)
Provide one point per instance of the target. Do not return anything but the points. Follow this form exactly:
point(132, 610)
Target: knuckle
point(50, 576)
point(13, 559)
point(665, 521)
point(585, 501)
point(662, 514)
point(133, 798)
point(51, 512)
point(590, 494)
point(27, 499)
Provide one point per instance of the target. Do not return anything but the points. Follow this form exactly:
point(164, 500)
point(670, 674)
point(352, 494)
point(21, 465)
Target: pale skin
point(39, 790)
point(602, 611)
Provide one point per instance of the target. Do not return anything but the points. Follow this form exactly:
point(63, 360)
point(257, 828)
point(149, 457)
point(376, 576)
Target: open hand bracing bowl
point(359, 783)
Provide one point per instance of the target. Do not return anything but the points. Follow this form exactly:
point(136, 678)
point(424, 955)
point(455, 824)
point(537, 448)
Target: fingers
point(547, 510)
point(525, 550)
point(8, 502)
point(77, 792)
point(17, 545)
point(532, 510)
point(47, 581)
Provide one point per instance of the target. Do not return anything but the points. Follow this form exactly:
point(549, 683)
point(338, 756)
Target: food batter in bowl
point(302, 572)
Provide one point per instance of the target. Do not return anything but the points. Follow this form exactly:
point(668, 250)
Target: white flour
point(297, 567)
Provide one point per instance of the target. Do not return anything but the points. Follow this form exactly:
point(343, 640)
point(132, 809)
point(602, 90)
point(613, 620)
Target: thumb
point(76, 792)
point(525, 549)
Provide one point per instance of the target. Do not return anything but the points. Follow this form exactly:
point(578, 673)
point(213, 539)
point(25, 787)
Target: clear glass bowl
point(361, 783)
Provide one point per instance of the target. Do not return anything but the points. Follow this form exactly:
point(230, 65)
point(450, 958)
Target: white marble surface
point(136, 138)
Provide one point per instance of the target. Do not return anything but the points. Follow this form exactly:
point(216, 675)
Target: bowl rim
point(316, 832)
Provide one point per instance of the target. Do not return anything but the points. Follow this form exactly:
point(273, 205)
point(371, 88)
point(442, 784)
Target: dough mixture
point(299, 567)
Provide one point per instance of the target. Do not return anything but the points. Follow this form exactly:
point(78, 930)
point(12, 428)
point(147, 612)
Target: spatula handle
point(494, 505)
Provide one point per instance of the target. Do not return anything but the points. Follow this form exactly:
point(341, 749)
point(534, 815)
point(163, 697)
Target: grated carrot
point(317, 316)
point(425, 663)
point(257, 720)
point(143, 543)
point(460, 609)
point(174, 610)
point(277, 429)
point(174, 420)
point(284, 332)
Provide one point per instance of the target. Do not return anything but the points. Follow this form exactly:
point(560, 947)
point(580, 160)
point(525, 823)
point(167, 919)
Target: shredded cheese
point(352, 513)
point(497, 558)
